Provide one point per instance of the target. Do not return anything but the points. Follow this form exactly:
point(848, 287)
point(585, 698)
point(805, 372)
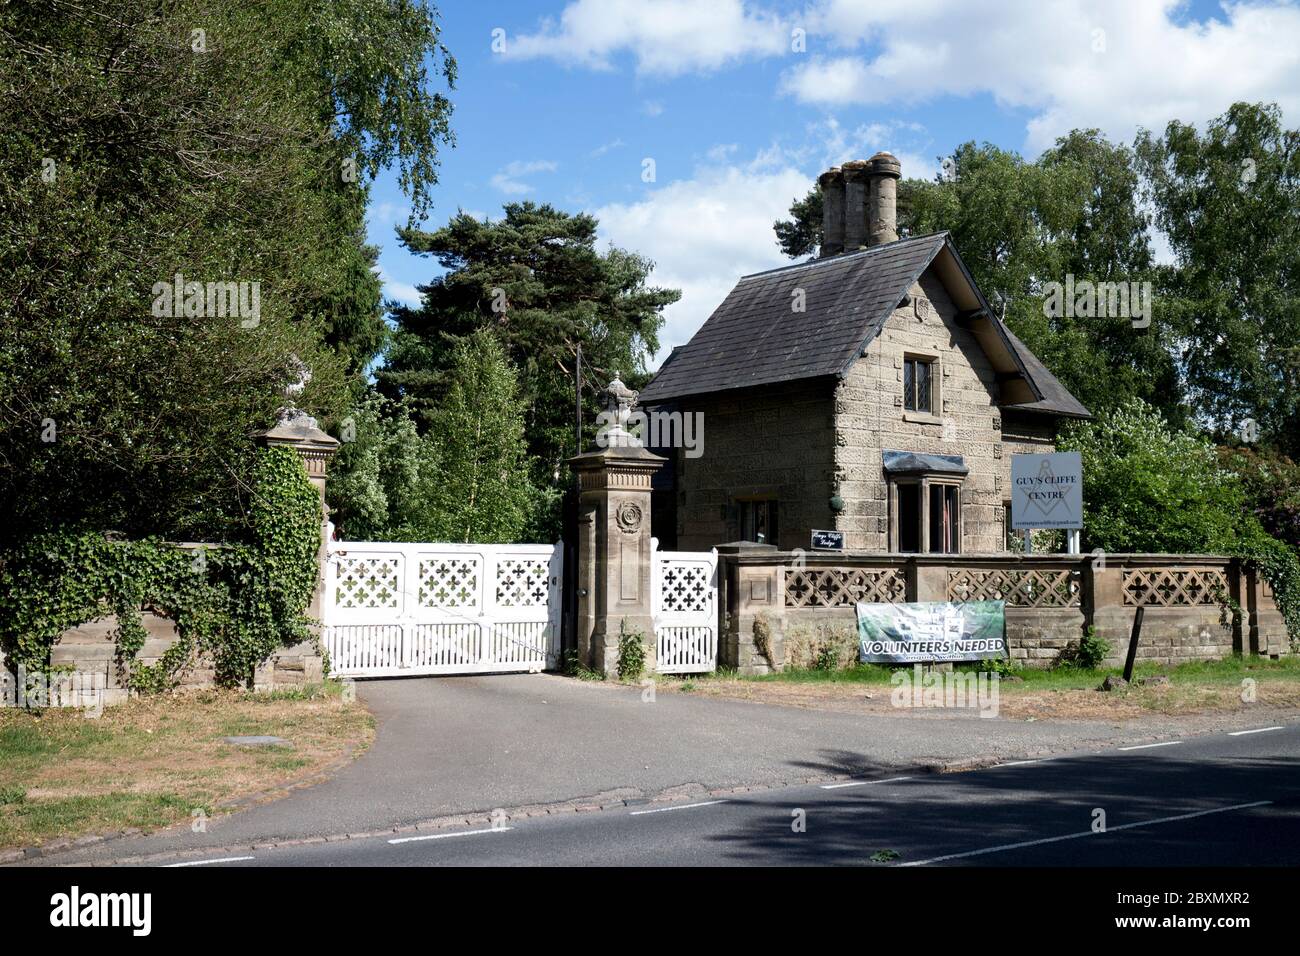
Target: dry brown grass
point(152, 762)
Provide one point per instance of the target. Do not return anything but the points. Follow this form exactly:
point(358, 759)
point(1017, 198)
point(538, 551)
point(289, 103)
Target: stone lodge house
point(871, 390)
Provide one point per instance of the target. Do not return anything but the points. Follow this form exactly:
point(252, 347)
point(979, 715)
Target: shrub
point(238, 603)
point(631, 655)
point(1087, 653)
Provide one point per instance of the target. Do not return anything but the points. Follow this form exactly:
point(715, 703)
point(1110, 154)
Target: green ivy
point(238, 602)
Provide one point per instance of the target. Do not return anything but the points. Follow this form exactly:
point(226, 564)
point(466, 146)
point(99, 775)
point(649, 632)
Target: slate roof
point(1056, 397)
point(755, 337)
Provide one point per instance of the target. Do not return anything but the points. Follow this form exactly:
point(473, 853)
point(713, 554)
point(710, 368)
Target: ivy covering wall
point(237, 603)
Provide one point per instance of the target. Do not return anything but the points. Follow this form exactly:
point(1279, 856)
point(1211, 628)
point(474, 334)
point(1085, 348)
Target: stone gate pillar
point(615, 572)
point(297, 430)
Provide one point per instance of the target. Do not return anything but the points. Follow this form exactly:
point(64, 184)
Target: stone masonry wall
point(870, 418)
point(88, 654)
point(775, 442)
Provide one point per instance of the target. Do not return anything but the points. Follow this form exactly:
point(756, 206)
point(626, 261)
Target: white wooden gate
point(406, 609)
point(685, 609)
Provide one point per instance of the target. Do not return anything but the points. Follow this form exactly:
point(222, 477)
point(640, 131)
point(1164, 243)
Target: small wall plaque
point(828, 540)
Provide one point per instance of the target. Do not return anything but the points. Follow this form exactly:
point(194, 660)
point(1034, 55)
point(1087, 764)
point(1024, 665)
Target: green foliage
point(1272, 485)
point(1149, 488)
point(483, 487)
point(468, 479)
point(828, 658)
point(225, 164)
point(535, 280)
point(381, 482)
point(1001, 666)
point(1228, 198)
point(1087, 654)
point(238, 603)
point(631, 655)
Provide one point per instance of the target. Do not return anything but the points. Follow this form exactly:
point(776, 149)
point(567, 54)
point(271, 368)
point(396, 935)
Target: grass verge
point(1060, 692)
point(157, 761)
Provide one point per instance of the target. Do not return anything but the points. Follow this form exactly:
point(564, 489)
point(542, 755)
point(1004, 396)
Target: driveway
point(464, 746)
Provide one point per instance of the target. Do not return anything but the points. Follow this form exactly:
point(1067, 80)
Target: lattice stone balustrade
point(844, 587)
point(1029, 588)
point(1174, 587)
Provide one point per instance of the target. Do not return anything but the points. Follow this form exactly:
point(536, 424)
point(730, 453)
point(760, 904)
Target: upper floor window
point(918, 385)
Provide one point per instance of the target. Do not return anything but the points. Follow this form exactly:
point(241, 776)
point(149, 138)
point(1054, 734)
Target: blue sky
point(739, 110)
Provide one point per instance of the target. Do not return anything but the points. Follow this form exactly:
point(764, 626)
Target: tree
point(535, 280)
point(213, 141)
point(1229, 201)
point(483, 487)
point(383, 478)
point(1147, 487)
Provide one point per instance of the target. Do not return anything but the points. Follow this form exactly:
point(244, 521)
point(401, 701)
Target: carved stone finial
point(619, 402)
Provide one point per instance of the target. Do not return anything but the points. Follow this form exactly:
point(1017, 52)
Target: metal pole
point(577, 400)
point(1029, 540)
point(1133, 643)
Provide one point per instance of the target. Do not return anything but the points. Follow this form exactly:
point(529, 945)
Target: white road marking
point(1257, 730)
point(1163, 743)
point(224, 859)
point(447, 836)
point(1017, 763)
point(1087, 833)
point(860, 783)
point(684, 806)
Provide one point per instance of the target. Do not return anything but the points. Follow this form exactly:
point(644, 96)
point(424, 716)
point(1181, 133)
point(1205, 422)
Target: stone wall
point(775, 442)
point(87, 655)
point(870, 418)
point(805, 603)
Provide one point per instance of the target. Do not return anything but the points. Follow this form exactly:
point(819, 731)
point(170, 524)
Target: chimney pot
point(832, 186)
point(856, 172)
point(882, 199)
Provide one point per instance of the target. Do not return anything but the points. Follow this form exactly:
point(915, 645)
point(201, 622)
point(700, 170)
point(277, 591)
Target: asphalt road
point(1217, 800)
point(464, 746)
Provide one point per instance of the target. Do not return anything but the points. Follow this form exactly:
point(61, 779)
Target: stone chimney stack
point(856, 172)
point(882, 199)
point(832, 185)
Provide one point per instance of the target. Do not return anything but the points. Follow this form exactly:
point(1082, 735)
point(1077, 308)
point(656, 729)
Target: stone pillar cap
point(886, 164)
point(293, 426)
point(856, 169)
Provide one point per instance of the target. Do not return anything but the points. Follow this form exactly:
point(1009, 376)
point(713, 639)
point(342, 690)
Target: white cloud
point(403, 292)
point(652, 108)
point(703, 234)
point(666, 37)
point(1111, 64)
point(508, 180)
point(604, 148)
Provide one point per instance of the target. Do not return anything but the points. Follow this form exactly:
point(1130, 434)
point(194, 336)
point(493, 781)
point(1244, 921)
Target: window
point(944, 526)
point(909, 518)
point(758, 521)
point(918, 385)
point(926, 517)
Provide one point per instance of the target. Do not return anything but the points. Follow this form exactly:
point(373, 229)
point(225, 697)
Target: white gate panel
point(685, 610)
point(394, 608)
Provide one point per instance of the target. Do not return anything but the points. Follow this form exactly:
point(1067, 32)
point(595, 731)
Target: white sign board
point(1047, 491)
